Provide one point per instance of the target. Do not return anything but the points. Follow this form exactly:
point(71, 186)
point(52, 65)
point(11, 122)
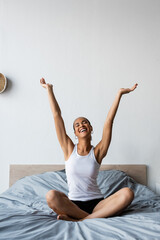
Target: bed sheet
point(24, 213)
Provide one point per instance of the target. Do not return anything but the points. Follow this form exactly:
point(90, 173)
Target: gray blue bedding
point(24, 214)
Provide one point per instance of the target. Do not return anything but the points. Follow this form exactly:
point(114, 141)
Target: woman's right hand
point(44, 84)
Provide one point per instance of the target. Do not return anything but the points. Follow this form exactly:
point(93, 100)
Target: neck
point(84, 145)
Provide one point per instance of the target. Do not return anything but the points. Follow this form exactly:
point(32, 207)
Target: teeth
point(83, 130)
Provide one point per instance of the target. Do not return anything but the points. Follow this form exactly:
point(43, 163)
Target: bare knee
point(53, 197)
point(50, 195)
point(127, 195)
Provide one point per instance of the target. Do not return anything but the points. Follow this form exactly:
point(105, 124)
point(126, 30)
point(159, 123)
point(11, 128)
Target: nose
point(81, 125)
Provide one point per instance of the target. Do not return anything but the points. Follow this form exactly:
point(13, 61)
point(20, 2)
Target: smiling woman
point(82, 125)
point(81, 122)
point(75, 123)
point(82, 163)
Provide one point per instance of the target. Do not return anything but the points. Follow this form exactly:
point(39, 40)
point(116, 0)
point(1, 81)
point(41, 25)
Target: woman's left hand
point(128, 90)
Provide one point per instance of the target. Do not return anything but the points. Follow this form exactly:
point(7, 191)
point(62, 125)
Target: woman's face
point(82, 127)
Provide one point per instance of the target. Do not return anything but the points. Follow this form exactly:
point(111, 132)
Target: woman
point(82, 162)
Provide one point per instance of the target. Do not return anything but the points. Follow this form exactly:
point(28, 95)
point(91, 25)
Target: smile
point(83, 130)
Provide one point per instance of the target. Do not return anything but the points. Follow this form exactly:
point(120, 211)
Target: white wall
point(87, 49)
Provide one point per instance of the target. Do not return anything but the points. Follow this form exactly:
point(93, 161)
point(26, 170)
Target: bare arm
point(64, 140)
point(103, 145)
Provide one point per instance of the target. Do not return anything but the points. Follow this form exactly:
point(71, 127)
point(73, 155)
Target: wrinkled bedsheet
point(24, 213)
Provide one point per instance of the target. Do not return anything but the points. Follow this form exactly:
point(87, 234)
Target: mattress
point(24, 213)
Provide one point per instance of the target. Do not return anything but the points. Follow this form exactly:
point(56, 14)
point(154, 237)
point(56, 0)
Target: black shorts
point(87, 206)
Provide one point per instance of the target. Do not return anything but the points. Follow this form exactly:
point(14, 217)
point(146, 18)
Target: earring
point(76, 137)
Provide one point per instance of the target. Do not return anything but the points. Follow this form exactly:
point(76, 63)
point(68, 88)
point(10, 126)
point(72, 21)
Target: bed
point(24, 213)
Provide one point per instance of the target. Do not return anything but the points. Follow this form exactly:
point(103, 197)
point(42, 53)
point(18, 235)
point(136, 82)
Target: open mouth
point(83, 130)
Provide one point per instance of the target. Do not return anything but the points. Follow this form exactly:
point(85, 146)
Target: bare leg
point(63, 206)
point(113, 204)
point(110, 206)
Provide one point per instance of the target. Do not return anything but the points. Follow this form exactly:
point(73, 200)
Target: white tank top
point(81, 172)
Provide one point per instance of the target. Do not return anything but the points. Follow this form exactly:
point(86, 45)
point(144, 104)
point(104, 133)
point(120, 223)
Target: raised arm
point(64, 140)
point(103, 145)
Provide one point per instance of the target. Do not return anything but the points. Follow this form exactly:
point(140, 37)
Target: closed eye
point(84, 122)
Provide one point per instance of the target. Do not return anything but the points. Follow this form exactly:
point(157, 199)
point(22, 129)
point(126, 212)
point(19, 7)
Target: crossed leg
point(113, 205)
point(63, 206)
point(69, 211)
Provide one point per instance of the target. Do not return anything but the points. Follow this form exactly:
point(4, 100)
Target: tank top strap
point(74, 149)
point(92, 151)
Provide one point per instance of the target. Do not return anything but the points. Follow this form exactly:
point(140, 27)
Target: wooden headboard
point(137, 172)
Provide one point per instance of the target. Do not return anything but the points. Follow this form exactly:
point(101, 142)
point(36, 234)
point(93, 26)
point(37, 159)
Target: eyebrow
point(82, 121)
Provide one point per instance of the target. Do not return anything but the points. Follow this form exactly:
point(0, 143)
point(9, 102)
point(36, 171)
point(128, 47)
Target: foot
point(67, 218)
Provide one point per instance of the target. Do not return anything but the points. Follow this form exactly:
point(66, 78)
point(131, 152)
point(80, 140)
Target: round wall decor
point(3, 83)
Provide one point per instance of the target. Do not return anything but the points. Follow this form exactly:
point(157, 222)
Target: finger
point(43, 85)
point(134, 87)
point(42, 81)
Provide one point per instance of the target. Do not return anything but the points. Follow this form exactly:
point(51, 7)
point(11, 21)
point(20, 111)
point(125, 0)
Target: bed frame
point(137, 172)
